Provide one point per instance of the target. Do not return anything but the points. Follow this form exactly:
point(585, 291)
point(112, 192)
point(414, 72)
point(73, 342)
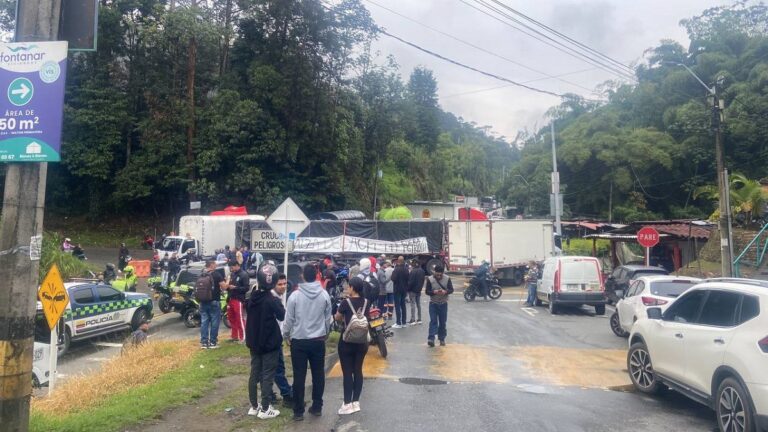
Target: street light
point(726, 238)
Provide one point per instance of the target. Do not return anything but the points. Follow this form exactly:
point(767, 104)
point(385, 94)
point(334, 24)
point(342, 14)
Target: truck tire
point(431, 264)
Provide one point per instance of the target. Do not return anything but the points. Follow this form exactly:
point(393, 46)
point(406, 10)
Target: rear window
point(670, 288)
point(649, 272)
point(581, 270)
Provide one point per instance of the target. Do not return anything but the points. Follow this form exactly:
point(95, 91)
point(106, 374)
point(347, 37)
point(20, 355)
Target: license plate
point(377, 322)
point(156, 296)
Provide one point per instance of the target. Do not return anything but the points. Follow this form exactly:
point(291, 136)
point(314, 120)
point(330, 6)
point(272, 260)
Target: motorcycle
point(379, 330)
point(472, 288)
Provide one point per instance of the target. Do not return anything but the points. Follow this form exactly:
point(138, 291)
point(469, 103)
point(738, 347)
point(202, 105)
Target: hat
point(365, 264)
point(128, 269)
point(67, 239)
point(388, 262)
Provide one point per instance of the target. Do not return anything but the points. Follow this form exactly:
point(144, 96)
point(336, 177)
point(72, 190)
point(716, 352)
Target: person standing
point(306, 326)
point(264, 340)
point(415, 283)
point(389, 303)
point(239, 256)
point(439, 287)
point(384, 280)
point(352, 352)
point(237, 289)
point(122, 256)
point(530, 280)
point(208, 294)
point(280, 379)
point(368, 274)
point(400, 282)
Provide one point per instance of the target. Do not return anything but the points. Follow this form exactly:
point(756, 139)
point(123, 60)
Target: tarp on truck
point(391, 231)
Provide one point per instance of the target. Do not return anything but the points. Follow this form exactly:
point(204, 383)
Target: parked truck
point(507, 244)
point(203, 235)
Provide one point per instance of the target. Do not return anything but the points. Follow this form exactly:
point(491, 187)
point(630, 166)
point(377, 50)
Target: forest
point(246, 102)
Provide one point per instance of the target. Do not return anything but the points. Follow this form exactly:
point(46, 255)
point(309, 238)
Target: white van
point(572, 281)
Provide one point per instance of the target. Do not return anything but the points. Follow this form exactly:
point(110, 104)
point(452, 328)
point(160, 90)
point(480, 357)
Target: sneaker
point(431, 343)
point(213, 346)
point(442, 343)
point(204, 345)
point(268, 413)
point(356, 406)
point(298, 417)
point(346, 409)
point(254, 411)
point(411, 322)
point(317, 412)
point(233, 340)
point(396, 326)
point(418, 322)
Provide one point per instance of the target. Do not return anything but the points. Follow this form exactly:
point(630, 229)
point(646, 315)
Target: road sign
point(648, 237)
point(33, 75)
point(288, 218)
point(53, 296)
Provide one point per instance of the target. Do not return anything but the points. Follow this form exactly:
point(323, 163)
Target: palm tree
point(747, 197)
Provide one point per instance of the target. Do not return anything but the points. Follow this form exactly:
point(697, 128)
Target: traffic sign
point(33, 75)
point(288, 218)
point(53, 296)
point(648, 237)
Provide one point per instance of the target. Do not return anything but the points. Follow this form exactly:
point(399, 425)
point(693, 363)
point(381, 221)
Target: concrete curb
point(330, 362)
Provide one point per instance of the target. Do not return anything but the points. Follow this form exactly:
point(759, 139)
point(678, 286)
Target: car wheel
point(537, 302)
point(734, 407)
point(138, 317)
point(35, 382)
point(67, 341)
point(640, 369)
point(553, 309)
point(600, 309)
point(616, 326)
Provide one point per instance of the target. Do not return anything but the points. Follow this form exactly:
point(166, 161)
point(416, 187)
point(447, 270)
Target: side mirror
point(192, 251)
point(654, 313)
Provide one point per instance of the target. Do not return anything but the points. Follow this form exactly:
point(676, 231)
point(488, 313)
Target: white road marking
point(510, 301)
point(97, 359)
point(530, 311)
point(108, 344)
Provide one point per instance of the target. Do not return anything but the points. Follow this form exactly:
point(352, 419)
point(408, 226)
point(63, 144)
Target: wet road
point(506, 368)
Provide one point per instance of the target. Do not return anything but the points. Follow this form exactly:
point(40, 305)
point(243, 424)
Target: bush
point(69, 266)
point(583, 247)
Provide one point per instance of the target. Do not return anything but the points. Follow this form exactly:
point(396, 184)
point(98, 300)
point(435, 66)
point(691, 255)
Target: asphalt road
point(506, 368)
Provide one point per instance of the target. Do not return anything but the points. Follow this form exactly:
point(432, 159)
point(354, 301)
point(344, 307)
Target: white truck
point(507, 244)
point(204, 234)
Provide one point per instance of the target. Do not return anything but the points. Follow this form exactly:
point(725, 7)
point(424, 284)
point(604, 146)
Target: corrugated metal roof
point(665, 228)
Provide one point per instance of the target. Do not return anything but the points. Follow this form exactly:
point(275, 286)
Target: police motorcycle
point(472, 289)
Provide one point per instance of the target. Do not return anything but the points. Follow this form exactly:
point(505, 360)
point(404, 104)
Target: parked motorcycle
point(472, 288)
point(379, 330)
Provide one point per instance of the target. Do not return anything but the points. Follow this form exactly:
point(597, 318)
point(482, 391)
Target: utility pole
point(191, 63)
point(555, 182)
point(22, 221)
point(723, 184)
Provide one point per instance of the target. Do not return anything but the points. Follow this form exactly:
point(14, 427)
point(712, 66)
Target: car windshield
point(670, 288)
point(171, 244)
point(648, 272)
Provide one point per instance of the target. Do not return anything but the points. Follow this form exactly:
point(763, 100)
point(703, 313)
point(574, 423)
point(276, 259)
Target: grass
point(583, 247)
point(137, 386)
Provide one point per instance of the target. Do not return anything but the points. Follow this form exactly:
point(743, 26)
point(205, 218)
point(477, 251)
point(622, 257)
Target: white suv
point(711, 344)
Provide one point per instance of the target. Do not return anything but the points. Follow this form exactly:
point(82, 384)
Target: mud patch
point(591, 368)
point(466, 363)
point(374, 366)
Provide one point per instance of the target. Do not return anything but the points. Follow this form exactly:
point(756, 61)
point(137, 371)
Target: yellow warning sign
point(53, 296)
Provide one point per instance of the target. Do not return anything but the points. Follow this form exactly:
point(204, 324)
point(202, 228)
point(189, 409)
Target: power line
point(554, 44)
point(569, 39)
point(578, 54)
point(488, 74)
point(508, 85)
point(479, 47)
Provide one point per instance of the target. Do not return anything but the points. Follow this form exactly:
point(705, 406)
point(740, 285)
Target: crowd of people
point(301, 316)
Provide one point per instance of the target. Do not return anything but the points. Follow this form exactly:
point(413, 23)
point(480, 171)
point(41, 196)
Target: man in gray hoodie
point(306, 326)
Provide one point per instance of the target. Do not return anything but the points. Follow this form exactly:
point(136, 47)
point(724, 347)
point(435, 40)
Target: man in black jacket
point(400, 282)
point(238, 285)
point(415, 284)
point(263, 338)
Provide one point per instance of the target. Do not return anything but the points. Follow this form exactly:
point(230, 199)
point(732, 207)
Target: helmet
point(267, 276)
point(365, 264)
point(129, 269)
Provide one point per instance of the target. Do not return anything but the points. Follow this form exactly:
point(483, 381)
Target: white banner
point(347, 244)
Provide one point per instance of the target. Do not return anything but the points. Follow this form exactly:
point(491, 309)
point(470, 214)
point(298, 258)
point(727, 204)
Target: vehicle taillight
point(764, 344)
point(374, 313)
point(557, 281)
point(650, 301)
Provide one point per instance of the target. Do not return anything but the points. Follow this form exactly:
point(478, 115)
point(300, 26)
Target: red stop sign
point(648, 237)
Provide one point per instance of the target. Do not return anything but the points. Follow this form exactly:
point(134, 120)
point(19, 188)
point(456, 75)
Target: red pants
point(236, 319)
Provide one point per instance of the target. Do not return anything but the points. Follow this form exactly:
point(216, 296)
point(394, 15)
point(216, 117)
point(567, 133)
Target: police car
point(97, 309)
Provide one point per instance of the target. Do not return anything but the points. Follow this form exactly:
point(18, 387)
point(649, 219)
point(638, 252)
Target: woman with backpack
point(353, 344)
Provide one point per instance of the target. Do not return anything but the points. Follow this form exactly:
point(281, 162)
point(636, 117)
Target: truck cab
point(183, 247)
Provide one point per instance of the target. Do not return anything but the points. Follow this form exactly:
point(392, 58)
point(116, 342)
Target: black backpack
point(372, 289)
point(204, 288)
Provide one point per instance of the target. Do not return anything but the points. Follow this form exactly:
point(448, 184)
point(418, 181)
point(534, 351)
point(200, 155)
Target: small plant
point(69, 266)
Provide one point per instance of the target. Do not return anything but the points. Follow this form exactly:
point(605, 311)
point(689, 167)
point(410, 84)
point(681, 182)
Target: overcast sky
point(621, 29)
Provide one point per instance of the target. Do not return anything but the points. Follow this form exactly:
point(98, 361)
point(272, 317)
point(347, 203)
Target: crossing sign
point(53, 296)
